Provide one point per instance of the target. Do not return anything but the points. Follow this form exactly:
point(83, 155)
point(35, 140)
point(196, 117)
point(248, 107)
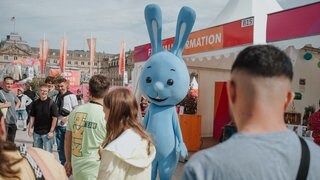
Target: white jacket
point(126, 158)
point(25, 101)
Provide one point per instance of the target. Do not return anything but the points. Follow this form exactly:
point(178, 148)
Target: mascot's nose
point(158, 86)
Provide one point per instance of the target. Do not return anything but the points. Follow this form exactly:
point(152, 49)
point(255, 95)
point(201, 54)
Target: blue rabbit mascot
point(164, 81)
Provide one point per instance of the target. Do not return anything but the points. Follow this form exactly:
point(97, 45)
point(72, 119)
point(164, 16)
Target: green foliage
point(190, 103)
point(35, 83)
point(310, 109)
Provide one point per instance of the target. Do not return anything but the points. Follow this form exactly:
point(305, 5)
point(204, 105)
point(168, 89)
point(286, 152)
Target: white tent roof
point(299, 43)
point(236, 10)
point(239, 9)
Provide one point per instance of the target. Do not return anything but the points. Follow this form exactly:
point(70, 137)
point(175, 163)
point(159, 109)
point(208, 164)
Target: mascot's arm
point(146, 120)
point(178, 134)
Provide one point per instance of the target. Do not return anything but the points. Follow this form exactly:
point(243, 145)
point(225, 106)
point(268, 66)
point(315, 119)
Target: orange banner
point(63, 54)
point(218, 37)
point(204, 40)
point(92, 47)
point(43, 52)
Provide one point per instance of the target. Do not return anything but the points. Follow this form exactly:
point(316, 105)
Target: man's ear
point(231, 89)
point(288, 100)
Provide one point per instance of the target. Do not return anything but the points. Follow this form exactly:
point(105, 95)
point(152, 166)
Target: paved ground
point(22, 137)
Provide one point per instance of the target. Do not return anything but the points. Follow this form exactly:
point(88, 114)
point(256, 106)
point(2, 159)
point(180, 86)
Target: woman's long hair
point(123, 115)
point(5, 162)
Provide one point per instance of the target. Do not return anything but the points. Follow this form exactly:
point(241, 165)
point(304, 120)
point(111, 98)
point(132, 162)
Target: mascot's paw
point(183, 150)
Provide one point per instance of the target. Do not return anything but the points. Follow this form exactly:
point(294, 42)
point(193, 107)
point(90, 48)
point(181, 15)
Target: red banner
point(43, 52)
point(228, 35)
point(122, 59)
point(63, 54)
point(298, 22)
point(92, 46)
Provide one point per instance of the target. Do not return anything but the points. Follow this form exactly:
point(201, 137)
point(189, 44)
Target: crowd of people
point(104, 138)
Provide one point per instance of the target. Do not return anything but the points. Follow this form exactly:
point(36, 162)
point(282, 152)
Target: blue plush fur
point(164, 81)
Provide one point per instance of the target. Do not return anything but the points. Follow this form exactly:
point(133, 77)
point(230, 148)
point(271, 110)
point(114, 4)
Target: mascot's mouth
point(158, 99)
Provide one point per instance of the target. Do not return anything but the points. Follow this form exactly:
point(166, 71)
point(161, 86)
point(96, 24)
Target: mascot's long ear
point(152, 14)
point(185, 22)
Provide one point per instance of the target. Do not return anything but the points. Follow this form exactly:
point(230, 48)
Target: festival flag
point(63, 54)
point(122, 59)
point(43, 52)
point(92, 47)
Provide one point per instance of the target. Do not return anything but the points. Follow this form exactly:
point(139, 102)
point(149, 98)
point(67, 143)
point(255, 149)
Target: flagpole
point(124, 65)
point(42, 59)
point(13, 18)
point(91, 41)
point(14, 25)
point(64, 53)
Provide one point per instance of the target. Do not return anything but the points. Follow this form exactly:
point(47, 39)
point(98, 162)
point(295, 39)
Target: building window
point(76, 62)
point(15, 57)
point(89, 63)
point(6, 57)
point(69, 62)
point(82, 63)
point(96, 64)
point(81, 55)
point(55, 61)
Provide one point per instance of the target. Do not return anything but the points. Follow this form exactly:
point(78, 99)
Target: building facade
point(110, 68)
point(13, 49)
point(76, 60)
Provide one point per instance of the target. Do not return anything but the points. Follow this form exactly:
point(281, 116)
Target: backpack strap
point(50, 104)
point(305, 160)
point(37, 172)
point(41, 164)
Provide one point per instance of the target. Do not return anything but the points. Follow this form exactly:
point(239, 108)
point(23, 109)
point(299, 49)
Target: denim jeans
point(43, 142)
point(60, 134)
point(22, 115)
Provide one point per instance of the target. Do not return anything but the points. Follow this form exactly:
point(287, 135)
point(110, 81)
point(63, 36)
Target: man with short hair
point(43, 120)
point(27, 91)
point(32, 95)
point(259, 92)
point(66, 102)
point(50, 81)
point(86, 131)
point(10, 101)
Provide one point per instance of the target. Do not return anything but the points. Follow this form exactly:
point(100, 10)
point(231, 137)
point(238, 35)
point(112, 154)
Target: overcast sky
point(110, 21)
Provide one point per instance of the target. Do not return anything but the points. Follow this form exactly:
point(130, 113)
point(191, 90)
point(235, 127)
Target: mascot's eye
point(148, 80)
point(170, 82)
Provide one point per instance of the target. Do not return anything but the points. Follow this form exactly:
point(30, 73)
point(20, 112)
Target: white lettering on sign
point(165, 46)
point(247, 22)
point(204, 40)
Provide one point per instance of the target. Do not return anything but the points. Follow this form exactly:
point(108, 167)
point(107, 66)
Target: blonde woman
point(128, 150)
